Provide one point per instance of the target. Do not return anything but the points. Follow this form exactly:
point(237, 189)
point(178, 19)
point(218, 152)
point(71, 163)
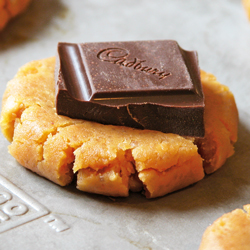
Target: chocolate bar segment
point(145, 84)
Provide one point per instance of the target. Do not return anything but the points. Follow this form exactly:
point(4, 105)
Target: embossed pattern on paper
point(16, 207)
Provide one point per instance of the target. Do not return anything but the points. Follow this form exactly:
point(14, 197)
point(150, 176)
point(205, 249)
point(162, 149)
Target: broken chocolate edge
point(60, 75)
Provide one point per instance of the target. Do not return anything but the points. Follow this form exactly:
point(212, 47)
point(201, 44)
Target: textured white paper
point(70, 219)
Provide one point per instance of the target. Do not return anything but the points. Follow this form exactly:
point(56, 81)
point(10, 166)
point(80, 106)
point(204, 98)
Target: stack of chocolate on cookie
point(122, 116)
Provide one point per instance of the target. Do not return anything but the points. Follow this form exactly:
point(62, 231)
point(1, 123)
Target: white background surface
point(220, 32)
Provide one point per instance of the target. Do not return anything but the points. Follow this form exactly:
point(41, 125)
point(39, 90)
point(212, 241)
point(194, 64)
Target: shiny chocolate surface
point(143, 84)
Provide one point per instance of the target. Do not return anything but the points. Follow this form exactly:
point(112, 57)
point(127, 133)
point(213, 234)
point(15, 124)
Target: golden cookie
point(230, 232)
point(109, 160)
point(10, 9)
point(246, 4)
point(221, 124)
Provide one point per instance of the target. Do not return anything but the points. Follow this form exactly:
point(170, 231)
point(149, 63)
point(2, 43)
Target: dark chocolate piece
point(145, 84)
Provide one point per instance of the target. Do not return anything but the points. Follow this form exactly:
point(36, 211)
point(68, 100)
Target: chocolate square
point(144, 84)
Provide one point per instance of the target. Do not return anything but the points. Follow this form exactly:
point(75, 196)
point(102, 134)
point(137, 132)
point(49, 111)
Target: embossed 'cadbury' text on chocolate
point(140, 84)
point(119, 56)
